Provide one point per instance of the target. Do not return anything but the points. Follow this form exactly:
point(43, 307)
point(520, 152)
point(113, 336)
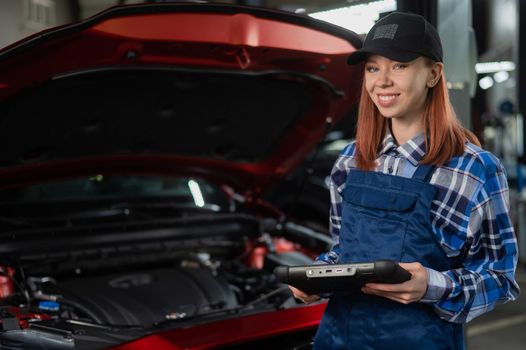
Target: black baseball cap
point(401, 37)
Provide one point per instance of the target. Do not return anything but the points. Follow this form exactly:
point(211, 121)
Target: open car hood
point(239, 94)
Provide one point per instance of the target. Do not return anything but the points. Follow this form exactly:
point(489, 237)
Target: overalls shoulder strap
point(423, 172)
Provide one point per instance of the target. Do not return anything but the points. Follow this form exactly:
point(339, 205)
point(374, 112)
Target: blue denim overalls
point(387, 217)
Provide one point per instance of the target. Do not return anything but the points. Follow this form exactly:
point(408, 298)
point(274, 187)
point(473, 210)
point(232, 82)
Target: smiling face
point(399, 89)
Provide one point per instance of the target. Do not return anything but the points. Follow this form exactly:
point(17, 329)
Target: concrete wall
point(9, 22)
point(15, 22)
point(454, 20)
point(502, 46)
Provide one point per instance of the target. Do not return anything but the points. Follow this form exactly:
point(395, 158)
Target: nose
point(383, 78)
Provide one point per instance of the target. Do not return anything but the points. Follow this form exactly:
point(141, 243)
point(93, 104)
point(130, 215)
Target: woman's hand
point(407, 292)
point(306, 298)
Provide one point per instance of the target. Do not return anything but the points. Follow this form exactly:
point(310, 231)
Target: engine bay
point(141, 298)
point(136, 288)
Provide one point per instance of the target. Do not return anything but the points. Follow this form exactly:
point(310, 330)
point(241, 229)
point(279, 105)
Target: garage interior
point(484, 42)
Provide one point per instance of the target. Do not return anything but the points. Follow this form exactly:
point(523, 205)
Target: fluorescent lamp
point(486, 82)
point(358, 18)
point(501, 76)
point(494, 67)
point(196, 193)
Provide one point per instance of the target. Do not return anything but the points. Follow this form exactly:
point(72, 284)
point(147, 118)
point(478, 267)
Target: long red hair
point(445, 136)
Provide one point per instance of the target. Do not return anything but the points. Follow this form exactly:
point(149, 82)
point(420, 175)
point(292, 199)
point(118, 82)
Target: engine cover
point(143, 298)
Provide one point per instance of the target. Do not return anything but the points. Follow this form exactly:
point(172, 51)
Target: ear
point(434, 74)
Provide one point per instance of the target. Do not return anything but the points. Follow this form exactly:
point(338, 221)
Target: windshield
point(111, 192)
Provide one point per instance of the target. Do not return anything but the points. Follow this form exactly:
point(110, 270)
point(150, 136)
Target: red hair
point(445, 136)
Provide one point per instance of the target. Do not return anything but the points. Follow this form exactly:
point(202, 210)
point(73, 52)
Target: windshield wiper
point(144, 211)
point(168, 205)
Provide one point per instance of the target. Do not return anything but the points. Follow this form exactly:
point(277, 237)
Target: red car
point(135, 147)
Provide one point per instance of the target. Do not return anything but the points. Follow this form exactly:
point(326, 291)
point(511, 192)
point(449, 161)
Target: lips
point(387, 100)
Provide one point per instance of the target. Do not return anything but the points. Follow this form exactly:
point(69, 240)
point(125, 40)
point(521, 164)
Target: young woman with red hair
point(415, 187)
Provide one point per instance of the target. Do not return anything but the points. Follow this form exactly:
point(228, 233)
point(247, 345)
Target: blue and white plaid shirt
point(471, 203)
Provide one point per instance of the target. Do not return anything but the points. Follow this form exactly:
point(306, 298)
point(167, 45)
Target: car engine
point(143, 297)
point(131, 288)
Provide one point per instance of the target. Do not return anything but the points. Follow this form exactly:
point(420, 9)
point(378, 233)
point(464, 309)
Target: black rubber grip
point(282, 273)
point(387, 271)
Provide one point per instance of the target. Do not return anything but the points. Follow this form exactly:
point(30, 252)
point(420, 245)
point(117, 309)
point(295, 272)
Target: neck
point(403, 132)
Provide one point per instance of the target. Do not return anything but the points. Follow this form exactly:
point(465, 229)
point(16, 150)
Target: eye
point(371, 69)
point(400, 66)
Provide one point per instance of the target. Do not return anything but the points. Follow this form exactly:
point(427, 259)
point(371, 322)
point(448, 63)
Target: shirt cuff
point(439, 286)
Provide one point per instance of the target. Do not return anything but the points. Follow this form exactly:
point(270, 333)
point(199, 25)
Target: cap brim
point(360, 55)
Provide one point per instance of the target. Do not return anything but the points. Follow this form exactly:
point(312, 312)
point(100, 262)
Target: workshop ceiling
point(90, 7)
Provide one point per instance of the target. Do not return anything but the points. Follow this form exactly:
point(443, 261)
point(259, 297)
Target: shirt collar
point(414, 149)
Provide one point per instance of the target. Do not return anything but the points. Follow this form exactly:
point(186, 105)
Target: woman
point(416, 188)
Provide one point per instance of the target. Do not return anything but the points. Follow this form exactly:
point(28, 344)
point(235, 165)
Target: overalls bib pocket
point(376, 221)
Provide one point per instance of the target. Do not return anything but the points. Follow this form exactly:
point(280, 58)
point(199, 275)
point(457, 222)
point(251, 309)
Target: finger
point(398, 300)
point(407, 266)
point(400, 295)
point(399, 287)
point(298, 293)
point(310, 299)
point(403, 298)
point(410, 266)
point(304, 297)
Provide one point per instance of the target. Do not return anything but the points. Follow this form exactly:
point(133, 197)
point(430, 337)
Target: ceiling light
point(494, 67)
point(486, 82)
point(358, 18)
point(195, 190)
point(501, 76)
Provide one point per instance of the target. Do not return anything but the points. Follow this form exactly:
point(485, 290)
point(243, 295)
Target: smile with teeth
point(387, 101)
point(386, 97)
